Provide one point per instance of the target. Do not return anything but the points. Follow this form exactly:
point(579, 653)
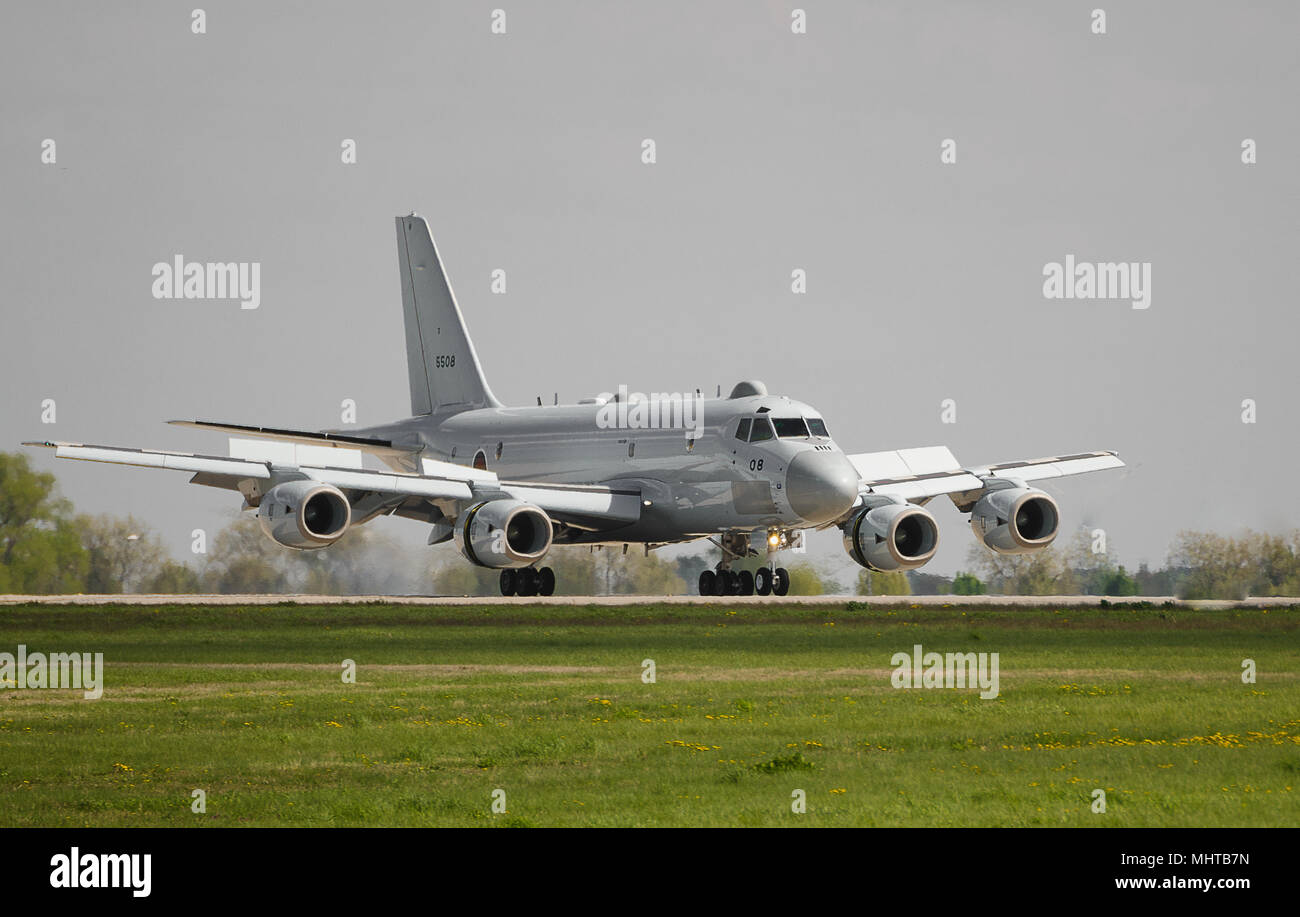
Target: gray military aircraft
point(507, 483)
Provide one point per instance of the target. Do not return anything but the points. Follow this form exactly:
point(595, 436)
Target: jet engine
point(503, 533)
point(1015, 520)
point(891, 536)
point(304, 514)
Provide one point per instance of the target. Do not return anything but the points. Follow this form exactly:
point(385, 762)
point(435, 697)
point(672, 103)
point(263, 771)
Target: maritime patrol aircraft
point(508, 483)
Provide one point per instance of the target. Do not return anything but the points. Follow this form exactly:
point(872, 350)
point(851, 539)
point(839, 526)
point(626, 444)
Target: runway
point(882, 601)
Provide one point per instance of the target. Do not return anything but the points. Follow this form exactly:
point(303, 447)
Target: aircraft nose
point(821, 485)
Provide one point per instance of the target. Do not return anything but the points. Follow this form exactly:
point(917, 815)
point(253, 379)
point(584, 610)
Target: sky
point(774, 151)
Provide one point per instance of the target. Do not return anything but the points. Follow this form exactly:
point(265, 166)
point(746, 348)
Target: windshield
point(790, 426)
point(762, 430)
point(818, 426)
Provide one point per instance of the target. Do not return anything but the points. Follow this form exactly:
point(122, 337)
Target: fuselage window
point(790, 426)
point(480, 460)
point(762, 430)
point(742, 430)
point(817, 426)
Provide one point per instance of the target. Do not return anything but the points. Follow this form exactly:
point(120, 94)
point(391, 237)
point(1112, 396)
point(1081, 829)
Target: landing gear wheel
point(781, 583)
point(733, 583)
point(509, 582)
point(708, 582)
point(746, 583)
point(763, 580)
point(546, 581)
point(527, 581)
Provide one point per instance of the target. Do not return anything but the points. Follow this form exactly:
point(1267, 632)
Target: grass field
point(749, 705)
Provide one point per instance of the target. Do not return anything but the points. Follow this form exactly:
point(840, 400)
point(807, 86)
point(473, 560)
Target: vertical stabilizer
point(440, 359)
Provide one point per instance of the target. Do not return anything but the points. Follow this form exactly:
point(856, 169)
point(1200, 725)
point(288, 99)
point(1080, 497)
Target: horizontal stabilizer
point(306, 437)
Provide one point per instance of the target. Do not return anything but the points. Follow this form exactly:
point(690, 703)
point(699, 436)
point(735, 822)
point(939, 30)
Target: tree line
point(48, 548)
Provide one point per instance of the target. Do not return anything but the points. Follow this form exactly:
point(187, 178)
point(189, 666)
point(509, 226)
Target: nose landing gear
point(767, 580)
point(772, 581)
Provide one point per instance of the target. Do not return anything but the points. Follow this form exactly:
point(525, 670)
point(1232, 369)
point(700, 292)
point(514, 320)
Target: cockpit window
point(742, 430)
point(762, 430)
point(817, 426)
point(790, 426)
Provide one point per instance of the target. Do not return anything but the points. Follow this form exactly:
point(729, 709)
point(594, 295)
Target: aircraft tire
point(508, 582)
point(546, 581)
point(746, 583)
point(708, 582)
point(527, 582)
point(781, 582)
point(763, 581)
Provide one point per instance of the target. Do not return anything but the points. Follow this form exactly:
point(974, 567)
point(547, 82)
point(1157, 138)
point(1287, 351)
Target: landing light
point(774, 539)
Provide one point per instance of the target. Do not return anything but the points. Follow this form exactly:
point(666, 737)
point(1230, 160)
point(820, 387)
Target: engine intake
point(504, 533)
point(304, 514)
point(1015, 520)
point(894, 536)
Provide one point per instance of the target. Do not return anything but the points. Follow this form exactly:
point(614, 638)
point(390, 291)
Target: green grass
point(751, 703)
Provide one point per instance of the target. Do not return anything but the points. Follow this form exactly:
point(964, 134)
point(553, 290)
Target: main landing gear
point(763, 581)
point(528, 581)
point(767, 580)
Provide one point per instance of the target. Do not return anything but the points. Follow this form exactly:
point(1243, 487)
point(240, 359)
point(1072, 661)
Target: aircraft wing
point(589, 507)
point(919, 474)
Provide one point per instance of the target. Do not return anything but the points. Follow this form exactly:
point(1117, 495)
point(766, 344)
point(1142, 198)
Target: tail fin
point(440, 359)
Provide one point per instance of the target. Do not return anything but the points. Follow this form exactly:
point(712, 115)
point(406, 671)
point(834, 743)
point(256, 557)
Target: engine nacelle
point(504, 533)
point(1015, 520)
point(893, 536)
point(304, 514)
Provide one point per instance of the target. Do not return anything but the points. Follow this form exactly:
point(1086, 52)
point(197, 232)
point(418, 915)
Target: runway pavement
point(909, 601)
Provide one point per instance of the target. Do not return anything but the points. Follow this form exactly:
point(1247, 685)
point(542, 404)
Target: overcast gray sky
point(775, 151)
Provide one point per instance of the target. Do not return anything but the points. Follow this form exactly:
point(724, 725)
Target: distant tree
point(174, 579)
point(968, 584)
point(243, 561)
point(365, 561)
point(1043, 572)
point(1118, 582)
point(1218, 567)
point(40, 551)
point(454, 575)
point(575, 570)
point(805, 579)
point(690, 566)
point(124, 553)
point(873, 582)
point(1277, 562)
point(635, 573)
point(929, 583)
point(1156, 582)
